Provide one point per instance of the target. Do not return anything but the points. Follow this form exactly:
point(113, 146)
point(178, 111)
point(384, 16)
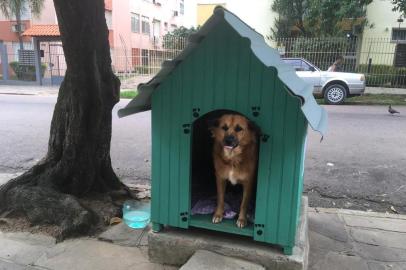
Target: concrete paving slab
point(336, 261)
point(90, 254)
point(388, 224)
point(329, 225)
point(5, 265)
point(386, 266)
point(30, 238)
point(379, 238)
point(320, 245)
point(380, 253)
point(175, 246)
point(373, 238)
point(206, 260)
point(21, 252)
point(123, 235)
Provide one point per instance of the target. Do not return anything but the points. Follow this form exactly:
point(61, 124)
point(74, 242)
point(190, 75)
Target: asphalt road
point(360, 164)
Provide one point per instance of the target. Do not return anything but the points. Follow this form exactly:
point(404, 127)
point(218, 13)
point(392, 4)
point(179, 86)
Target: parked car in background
point(335, 87)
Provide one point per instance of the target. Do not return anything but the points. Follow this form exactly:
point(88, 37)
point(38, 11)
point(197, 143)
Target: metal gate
point(54, 59)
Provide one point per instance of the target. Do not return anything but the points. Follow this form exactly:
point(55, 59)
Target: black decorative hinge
point(255, 111)
point(259, 228)
point(184, 216)
point(264, 137)
point(196, 112)
point(186, 128)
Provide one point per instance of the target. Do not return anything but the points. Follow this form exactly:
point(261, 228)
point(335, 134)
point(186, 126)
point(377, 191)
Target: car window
point(305, 66)
point(295, 63)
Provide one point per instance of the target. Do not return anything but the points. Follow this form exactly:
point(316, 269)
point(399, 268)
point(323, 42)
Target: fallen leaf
point(115, 220)
point(393, 209)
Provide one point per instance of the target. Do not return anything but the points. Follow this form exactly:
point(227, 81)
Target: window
point(182, 7)
point(156, 28)
point(173, 27)
point(305, 66)
point(166, 27)
point(298, 64)
point(135, 55)
point(145, 25)
point(135, 23)
point(400, 55)
point(398, 34)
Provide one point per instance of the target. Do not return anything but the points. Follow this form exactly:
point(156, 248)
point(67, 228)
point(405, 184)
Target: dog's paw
point(241, 222)
point(217, 218)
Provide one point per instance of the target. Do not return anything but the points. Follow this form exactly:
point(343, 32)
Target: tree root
point(43, 204)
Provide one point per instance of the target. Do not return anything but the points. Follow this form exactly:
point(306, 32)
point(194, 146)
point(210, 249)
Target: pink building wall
point(128, 46)
point(123, 42)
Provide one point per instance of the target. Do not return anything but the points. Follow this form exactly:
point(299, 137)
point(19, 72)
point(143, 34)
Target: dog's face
point(233, 132)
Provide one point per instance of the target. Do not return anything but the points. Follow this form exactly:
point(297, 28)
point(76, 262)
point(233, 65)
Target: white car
point(333, 86)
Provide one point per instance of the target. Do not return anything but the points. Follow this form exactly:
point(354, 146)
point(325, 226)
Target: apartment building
point(136, 28)
point(139, 26)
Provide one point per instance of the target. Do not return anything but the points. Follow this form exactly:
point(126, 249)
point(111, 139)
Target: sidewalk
point(384, 90)
point(339, 240)
point(29, 90)
point(354, 240)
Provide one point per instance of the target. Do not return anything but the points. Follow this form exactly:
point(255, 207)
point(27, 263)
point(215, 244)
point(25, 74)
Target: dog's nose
point(229, 140)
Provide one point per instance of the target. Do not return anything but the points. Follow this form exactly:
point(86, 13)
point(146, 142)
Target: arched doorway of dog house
point(203, 182)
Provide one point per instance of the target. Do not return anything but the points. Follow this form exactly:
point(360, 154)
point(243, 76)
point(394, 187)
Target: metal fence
point(19, 63)
point(382, 60)
point(133, 65)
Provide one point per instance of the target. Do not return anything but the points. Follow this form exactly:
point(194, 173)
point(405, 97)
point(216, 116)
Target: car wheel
point(335, 94)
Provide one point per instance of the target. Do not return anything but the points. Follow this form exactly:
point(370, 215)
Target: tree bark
point(19, 33)
point(78, 159)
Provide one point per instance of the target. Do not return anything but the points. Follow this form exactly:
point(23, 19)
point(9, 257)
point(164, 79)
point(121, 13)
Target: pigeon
point(392, 111)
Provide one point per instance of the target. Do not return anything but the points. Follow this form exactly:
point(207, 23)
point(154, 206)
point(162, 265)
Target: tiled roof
point(42, 31)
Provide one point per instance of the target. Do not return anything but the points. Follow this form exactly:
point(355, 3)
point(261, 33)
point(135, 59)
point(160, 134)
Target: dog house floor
point(227, 225)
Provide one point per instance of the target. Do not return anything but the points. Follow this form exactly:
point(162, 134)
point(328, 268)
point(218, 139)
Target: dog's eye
point(225, 128)
point(238, 128)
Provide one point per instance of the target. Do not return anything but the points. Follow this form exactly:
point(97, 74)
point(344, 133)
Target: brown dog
point(235, 155)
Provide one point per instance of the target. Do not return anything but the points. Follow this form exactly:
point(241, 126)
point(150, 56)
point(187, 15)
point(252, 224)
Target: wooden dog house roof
point(315, 114)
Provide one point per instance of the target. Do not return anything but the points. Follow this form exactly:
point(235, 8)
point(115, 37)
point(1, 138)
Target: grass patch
point(128, 94)
point(373, 99)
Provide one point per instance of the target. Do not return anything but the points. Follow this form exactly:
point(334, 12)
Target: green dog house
point(227, 66)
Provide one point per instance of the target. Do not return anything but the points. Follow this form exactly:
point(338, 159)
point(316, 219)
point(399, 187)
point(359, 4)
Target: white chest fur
point(231, 177)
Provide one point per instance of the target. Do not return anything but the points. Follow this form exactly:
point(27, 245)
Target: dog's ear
point(254, 127)
point(212, 124)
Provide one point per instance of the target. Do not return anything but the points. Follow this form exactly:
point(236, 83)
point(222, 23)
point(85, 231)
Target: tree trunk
point(18, 20)
point(78, 160)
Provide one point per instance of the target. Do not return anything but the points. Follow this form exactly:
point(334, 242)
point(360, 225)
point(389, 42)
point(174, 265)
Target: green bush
point(26, 73)
point(384, 75)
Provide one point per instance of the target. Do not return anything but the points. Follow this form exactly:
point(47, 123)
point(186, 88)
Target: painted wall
point(48, 14)
point(163, 13)
point(7, 35)
point(380, 14)
point(257, 14)
point(376, 40)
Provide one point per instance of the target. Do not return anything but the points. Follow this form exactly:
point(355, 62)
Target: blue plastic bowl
point(136, 214)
